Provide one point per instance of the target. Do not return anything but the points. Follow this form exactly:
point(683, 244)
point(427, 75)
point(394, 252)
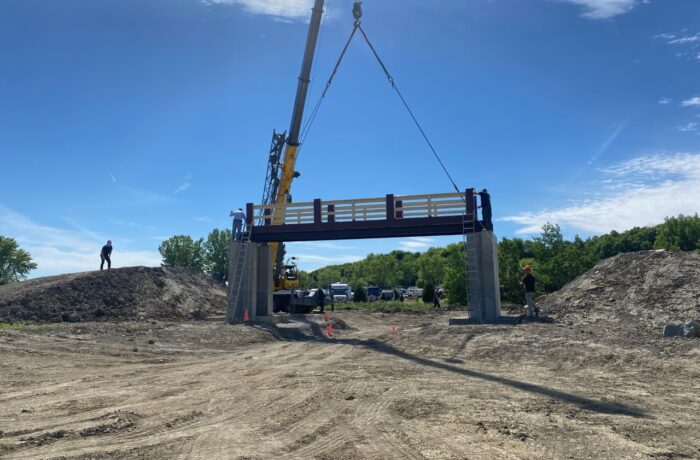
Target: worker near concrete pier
point(528, 282)
point(486, 209)
point(238, 218)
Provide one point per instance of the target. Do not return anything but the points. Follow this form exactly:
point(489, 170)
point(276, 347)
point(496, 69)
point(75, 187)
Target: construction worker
point(486, 209)
point(437, 294)
point(238, 218)
point(105, 254)
point(320, 299)
point(528, 282)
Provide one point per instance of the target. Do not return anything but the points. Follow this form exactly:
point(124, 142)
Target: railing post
point(399, 213)
point(470, 201)
point(317, 212)
point(390, 209)
point(266, 213)
point(249, 214)
point(331, 213)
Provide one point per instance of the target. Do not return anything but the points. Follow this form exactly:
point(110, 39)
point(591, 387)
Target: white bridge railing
point(362, 209)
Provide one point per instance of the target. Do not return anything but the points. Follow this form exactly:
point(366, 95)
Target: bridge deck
point(383, 217)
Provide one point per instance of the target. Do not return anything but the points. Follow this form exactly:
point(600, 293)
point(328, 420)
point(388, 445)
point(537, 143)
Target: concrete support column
point(242, 281)
point(264, 281)
point(484, 285)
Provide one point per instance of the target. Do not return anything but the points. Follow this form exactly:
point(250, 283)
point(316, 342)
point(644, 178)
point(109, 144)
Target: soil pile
point(121, 293)
point(643, 290)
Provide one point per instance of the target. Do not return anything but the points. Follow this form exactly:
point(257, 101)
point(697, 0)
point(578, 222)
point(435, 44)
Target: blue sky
point(138, 120)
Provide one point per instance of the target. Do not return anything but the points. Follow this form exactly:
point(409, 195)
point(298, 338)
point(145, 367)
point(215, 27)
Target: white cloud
point(604, 9)
point(57, 250)
point(280, 9)
point(684, 40)
point(665, 101)
point(114, 179)
point(639, 192)
point(415, 243)
point(185, 185)
point(693, 101)
point(690, 127)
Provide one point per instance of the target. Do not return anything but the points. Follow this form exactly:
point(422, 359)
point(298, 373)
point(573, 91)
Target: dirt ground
point(206, 390)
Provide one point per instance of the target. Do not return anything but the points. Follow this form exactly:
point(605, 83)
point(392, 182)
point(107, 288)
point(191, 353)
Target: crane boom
point(279, 186)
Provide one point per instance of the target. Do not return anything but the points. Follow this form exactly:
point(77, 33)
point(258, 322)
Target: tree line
point(555, 261)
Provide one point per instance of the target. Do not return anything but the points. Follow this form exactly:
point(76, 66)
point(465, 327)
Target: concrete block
point(263, 306)
point(484, 288)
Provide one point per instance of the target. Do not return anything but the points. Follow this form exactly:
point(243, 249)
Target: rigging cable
point(410, 112)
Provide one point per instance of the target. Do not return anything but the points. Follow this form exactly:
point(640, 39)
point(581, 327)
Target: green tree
point(182, 251)
point(455, 279)
point(431, 267)
point(15, 263)
point(360, 294)
point(428, 293)
point(216, 250)
point(680, 233)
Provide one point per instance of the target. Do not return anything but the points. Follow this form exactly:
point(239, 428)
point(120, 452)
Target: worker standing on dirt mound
point(238, 217)
point(105, 254)
point(528, 282)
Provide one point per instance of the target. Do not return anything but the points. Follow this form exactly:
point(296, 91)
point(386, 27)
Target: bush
point(428, 293)
point(360, 294)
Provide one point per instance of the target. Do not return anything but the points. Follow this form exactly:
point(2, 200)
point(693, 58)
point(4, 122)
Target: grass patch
point(14, 326)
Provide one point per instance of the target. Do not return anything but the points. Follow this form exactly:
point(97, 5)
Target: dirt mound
point(122, 293)
point(643, 290)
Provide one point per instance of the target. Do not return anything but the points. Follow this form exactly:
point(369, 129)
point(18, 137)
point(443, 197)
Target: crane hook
point(357, 10)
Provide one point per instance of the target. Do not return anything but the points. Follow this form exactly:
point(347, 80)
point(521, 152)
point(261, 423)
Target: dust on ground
point(155, 389)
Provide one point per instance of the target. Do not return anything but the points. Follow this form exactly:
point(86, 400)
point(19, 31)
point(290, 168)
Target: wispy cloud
point(639, 192)
point(285, 10)
point(685, 44)
point(415, 243)
point(201, 219)
point(185, 184)
point(114, 179)
point(604, 9)
point(59, 250)
point(665, 101)
point(690, 127)
point(321, 245)
point(133, 224)
point(684, 40)
point(693, 101)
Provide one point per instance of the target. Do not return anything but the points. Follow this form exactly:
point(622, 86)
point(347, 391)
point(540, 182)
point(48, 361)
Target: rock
point(151, 342)
point(673, 330)
point(27, 410)
point(349, 398)
point(691, 329)
point(135, 350)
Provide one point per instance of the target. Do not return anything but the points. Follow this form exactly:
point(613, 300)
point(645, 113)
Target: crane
point(281, 163)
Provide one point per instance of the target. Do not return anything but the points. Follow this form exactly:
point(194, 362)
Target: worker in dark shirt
point(105, 255)
point(528, 282)
point(486, 209)
point(320, 299)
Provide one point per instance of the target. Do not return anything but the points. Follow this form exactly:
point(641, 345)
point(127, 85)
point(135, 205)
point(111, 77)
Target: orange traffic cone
point(246, 318)
point(330, 330)
point(326, 317)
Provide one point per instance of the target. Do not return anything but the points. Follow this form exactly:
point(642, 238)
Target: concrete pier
point(249, 281)
point(484, 287)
